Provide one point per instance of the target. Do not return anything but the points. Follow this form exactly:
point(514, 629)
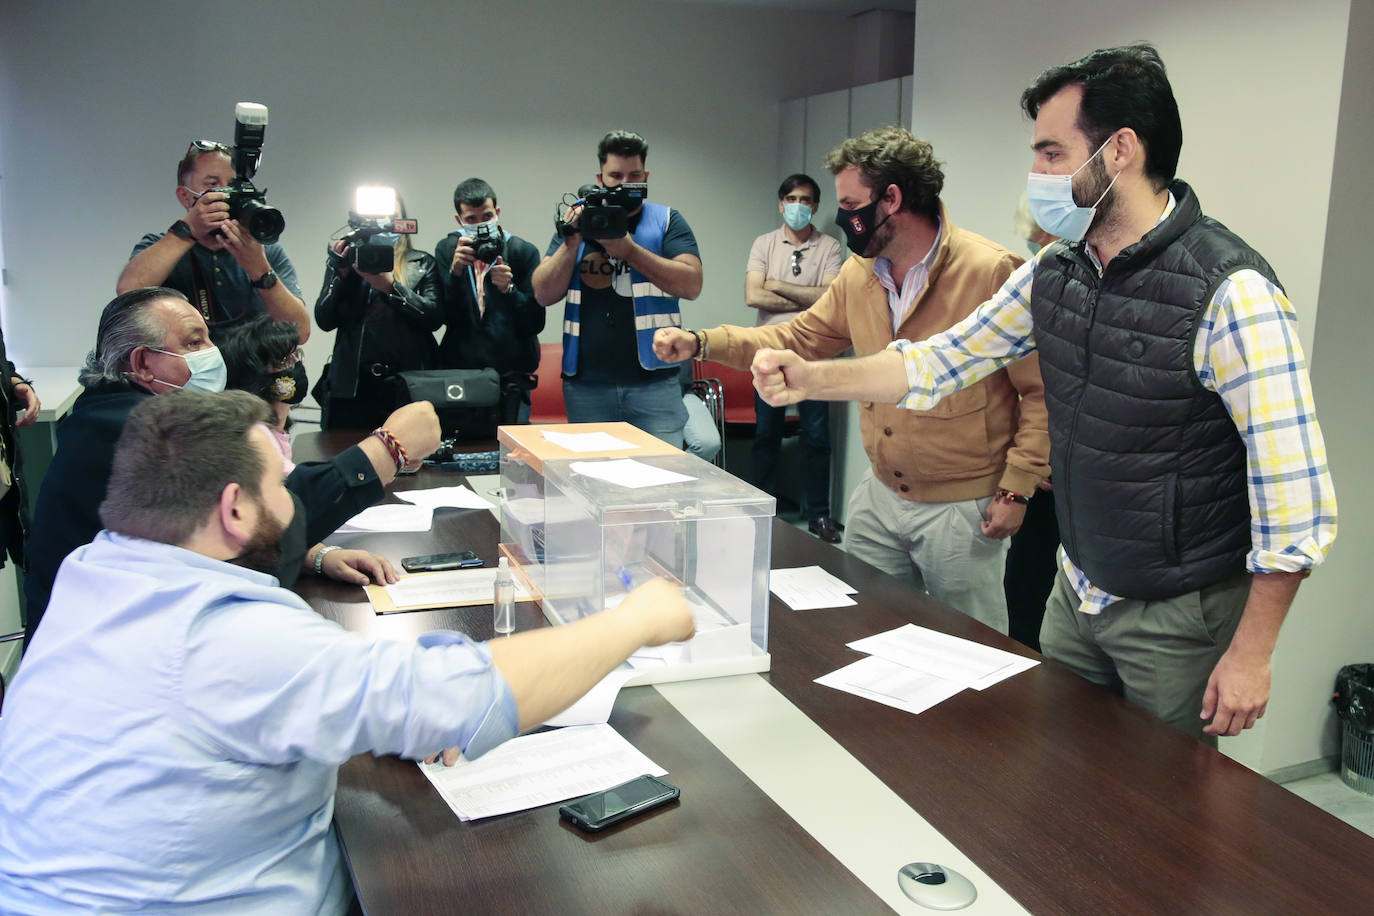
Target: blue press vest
point(654, 309)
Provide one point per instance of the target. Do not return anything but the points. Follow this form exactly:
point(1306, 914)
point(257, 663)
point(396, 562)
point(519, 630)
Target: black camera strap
point(201, 296)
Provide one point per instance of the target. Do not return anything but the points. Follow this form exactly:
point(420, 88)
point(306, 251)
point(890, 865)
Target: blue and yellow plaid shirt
point(1247, 351)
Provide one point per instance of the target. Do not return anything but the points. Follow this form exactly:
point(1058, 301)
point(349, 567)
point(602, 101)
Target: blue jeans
point(655, 406)
point(815, 438)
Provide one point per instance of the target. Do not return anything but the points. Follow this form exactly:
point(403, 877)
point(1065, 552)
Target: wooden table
point(1067, 797)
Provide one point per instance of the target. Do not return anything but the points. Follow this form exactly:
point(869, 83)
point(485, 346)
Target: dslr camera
point(248, 203)
point(373, 231)
point(488, 242)
point(606, 211)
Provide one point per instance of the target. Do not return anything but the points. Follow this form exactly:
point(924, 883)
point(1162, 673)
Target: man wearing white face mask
point(1178, 397)
point(788, 270)
point(151, 342)
point(491, 319)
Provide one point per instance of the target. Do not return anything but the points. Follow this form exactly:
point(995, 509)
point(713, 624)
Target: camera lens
point(264, 223)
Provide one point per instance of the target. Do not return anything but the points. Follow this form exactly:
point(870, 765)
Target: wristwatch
point(267, 280)
point(182, 230)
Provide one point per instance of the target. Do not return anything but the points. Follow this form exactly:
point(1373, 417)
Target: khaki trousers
point(1157, 654)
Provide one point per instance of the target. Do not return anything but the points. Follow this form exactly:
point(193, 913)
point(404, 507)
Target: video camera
point(605, 211)
point(247, 203)
point(373, 231)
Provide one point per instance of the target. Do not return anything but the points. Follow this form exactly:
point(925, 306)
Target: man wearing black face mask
point(947, 487)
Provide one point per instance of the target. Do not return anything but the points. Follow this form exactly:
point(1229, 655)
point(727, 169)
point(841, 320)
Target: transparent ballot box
point(582, 529)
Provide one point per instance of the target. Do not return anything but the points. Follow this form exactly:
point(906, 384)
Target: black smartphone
point(434, 562)
point(600, 810)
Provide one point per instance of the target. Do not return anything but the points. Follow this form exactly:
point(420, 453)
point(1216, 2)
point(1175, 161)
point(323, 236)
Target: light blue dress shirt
point(172, 740)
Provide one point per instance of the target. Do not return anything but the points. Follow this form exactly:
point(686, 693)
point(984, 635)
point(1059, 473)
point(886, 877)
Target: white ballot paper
point(539, 769)
point(808, 588)
point(891, 684)
point(970, 664)
point(457, 587)
point(390, 517)
point(627, 472)
point(594, 708)
point(459, 497)
point(589, 442)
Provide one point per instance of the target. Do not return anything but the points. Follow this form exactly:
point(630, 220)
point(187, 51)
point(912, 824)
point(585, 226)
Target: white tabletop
point(57, 388)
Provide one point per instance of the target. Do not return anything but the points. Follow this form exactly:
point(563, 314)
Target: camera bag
point(467, 400)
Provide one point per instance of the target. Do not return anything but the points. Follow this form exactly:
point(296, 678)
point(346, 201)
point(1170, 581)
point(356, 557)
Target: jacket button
point(362, 477)
point(904, 488)
point(887, 431)
point(896, 473)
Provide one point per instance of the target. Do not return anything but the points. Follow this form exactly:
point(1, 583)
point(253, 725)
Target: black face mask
point(293, 546)
point(279, 551)
point(858, 225)
point(291, 386)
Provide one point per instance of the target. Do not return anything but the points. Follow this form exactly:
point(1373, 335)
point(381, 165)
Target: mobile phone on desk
point(600, 810)
point(433, 562)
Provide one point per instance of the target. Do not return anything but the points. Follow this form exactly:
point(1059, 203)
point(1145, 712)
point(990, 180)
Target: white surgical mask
point(1052, 205)
point(208, 372)
point(796, 215)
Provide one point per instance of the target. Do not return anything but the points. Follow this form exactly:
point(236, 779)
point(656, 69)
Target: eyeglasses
point(796, 263)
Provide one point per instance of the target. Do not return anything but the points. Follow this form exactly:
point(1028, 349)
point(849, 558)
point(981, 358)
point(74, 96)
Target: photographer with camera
point(382, 297)
point(622, 263)
point(491, 318)
point(223, 253)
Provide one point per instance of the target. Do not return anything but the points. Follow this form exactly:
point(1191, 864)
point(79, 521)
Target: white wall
point(100, 100)
point(1258, 86)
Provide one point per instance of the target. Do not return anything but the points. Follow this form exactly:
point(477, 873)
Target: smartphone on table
point(600, 810)
point(434, 562)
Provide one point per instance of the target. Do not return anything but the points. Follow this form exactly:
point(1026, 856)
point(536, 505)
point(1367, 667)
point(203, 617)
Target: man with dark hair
point(947, 486)
point(491, 319)
point(788, 270)
point(173, 738)
point(1178, 400)
point(618, 291)
point(211, 259)
point(151, 342)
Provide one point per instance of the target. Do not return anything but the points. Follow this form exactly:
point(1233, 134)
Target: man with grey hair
point(173, 740)
point(151, 342)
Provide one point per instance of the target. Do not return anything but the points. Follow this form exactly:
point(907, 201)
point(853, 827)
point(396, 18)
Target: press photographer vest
point(1149, 470)
point(653, 308)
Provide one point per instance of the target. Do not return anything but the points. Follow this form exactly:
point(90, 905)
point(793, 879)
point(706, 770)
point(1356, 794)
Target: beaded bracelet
point(393, 446)
point(1010, 497)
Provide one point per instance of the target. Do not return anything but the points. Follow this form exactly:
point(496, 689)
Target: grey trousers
point(1157, 654)
point(938, 547)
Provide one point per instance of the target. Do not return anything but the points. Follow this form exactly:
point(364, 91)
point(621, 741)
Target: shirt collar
point(883, 266)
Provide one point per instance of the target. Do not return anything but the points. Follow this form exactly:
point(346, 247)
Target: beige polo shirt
point(773, 255)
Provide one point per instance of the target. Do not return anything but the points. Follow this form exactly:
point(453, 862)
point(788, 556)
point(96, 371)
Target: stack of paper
point(451, 588)
point(539, 769)
point(913, 668)
point(807, 588)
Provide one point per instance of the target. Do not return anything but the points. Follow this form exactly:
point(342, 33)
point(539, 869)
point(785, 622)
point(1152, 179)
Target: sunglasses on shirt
point(796, 263)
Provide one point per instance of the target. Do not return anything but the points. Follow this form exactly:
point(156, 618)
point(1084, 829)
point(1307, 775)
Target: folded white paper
point(539, 769)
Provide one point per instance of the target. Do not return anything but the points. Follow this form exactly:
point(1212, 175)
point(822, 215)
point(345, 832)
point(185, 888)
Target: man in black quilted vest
point(1190, 474)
